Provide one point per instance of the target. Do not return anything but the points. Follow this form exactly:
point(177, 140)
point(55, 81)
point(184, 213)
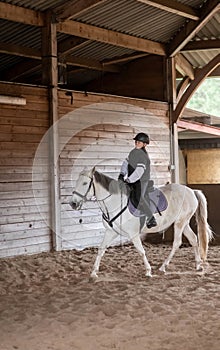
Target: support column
point(50, 78)
point(171, 97)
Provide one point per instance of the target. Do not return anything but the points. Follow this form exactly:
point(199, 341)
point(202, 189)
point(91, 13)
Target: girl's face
point(139, 144)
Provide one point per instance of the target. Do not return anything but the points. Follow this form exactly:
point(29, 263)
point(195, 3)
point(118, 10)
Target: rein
point(110, 221)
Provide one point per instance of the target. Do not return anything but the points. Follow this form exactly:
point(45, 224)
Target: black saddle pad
point(156, 199)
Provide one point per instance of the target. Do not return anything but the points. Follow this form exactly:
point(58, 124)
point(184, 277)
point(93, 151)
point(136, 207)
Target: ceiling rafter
point(73, 8)
point(18, 50)
point(192, 27)
point(174, 7)
point(124, 58)
point(91, 64)
point(21, 15)
point(69, 45)
point(202, 45)
point(111, 37)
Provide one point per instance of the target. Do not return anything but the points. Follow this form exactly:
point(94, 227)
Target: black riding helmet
point(141, 136)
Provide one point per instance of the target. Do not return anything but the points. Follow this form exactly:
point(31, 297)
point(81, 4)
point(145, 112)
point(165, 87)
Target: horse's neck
point(100, 192)
point(111, 201)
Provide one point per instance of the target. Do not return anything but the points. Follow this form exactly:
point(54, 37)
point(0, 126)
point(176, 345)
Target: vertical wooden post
point(50, 78)
point(171, 97)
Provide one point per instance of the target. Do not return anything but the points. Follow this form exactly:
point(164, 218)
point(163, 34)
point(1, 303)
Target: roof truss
point(73, 8)
point(81, 34)
point(192, 28)
point(64, 13)
point(174, 7)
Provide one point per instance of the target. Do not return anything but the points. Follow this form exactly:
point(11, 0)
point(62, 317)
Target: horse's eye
point(84, 183)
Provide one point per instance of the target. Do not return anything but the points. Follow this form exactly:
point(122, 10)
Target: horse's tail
point(204, 231)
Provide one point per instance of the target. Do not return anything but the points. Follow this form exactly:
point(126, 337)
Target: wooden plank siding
point(22, 228)
point(93, 130)
point(97, 130)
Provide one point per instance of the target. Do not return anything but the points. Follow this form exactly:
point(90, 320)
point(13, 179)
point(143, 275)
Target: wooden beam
point(173, 7)
point(182, 87)
point(200, 75)
point(191, 28)
point(195, 126)
point(91, 64)
point(171, 98)
point(21, 51)
point(111, 37)
point(171, 83)
point(72, 8)
point(184, 67)
point(69, 45)
point(197, 45)
point(21, 15)
point(28, 67)
point(20, 70)
point(50, 78)
point(175, 175)
point(124, 58)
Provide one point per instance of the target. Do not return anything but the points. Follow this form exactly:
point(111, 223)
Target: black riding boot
point(151, 222)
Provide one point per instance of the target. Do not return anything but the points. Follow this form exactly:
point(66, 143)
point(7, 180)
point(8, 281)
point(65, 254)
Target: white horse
point(112, 198)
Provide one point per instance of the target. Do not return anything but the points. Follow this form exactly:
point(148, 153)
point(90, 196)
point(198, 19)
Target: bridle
point(84, 196)
point(105, 216)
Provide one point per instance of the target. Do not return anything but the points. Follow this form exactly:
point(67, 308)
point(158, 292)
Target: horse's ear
point(93, 171)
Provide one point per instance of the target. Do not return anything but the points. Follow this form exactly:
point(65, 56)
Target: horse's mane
point(110, 184)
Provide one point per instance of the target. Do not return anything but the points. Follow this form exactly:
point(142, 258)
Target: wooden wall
point(22, 228)
point(93, 130)
point(97, 130)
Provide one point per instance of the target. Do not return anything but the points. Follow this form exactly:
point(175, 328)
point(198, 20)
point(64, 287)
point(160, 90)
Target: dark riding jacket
point(137, 169)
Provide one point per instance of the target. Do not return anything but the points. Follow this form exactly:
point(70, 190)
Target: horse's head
point(83, 190)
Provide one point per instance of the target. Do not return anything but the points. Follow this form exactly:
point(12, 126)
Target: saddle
point(156, 199)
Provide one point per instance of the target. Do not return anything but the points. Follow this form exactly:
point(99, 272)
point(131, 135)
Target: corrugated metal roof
point(138, 20)
point(100, 51)
point(211, 29)
point(125, 16)
point(20, 34)
point(193, 3)
point(198, 59)
point(38, 5)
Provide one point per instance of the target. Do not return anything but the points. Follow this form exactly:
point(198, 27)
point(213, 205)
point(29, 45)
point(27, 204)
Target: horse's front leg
point(138, 245)
point(109, 236)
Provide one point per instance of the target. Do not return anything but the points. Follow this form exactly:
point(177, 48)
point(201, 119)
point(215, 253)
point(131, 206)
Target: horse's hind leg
point(110, 235)
point(178, 230)
point(138, 245)
point(192, 238)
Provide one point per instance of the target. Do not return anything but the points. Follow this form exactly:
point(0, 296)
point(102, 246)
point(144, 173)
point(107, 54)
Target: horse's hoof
point(199, 269)
point(93, 276)
point(149, 274)
point(162, 269)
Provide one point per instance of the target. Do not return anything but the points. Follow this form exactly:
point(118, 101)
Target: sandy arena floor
point(47, 301)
